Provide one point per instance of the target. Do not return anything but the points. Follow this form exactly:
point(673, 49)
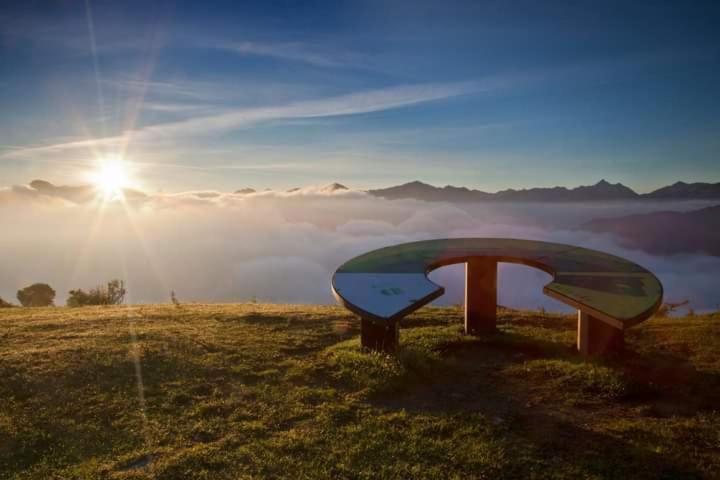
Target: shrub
point(174, 299)
point(112, 294)
point(667, 308)
point(36, 295)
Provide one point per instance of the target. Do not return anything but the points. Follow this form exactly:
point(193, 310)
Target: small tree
point(116, 292)
point(36, 295)
point(112, 294)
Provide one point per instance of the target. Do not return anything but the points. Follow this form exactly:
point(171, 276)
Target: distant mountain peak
point(606, 184)
point(416, 183)
point(334, 187)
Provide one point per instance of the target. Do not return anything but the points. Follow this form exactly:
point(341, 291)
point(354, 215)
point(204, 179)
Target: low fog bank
point(280, 247)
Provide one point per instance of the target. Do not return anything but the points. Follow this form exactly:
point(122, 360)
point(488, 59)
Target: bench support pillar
point(379, 337)
point(480, 296)
point(595, 337)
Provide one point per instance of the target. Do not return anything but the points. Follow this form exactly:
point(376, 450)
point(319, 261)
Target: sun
point(111, 177)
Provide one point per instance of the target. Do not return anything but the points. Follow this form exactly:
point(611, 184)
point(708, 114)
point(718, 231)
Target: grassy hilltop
point(276, 391)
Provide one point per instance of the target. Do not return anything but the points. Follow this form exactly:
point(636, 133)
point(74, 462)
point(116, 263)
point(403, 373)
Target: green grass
point(277, 391)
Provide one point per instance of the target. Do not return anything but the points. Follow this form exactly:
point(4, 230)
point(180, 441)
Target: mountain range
point(601, 191)
point(660, 233)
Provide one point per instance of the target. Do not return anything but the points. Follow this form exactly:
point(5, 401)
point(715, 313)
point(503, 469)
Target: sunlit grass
point(276, 391)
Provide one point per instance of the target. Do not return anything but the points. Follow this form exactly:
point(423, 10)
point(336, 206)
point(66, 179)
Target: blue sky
point(491, 95)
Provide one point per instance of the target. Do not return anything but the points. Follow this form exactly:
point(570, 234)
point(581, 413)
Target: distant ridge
point(682, 190)
point(73, 193)
point(601, 191)
point(79, 193)
point(666, 233)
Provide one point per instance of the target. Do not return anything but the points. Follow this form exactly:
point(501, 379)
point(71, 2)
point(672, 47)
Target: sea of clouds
point(284, 247)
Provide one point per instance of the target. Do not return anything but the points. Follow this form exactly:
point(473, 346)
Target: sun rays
point(111, 177)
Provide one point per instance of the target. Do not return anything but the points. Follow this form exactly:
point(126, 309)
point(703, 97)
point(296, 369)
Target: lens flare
point(111, 177)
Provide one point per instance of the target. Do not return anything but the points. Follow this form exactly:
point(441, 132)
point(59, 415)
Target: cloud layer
point(283, 247)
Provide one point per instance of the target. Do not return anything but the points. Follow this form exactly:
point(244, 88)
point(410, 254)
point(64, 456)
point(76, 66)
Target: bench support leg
point(379, 337)
point(595, 337)
point(480, 296)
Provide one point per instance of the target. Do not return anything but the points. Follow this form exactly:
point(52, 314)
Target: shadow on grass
point(543, 391)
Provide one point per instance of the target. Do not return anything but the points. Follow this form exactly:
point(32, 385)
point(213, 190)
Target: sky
point(489, 95)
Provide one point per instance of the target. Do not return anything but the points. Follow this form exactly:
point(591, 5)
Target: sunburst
point(111, 177)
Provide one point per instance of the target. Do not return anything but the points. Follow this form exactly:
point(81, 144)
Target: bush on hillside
point(112, 294)
point(174, 299)
point(36, 295)
point(4, 304)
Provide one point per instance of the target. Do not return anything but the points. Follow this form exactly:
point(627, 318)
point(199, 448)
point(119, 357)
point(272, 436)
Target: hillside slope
point(273, 391)
point(666, 233)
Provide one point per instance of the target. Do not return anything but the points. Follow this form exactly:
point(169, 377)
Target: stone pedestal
point(595, 337)
point(379, 337)
point(480, 296)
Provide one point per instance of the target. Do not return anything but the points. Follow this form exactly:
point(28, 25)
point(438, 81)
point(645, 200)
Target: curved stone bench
point(610, 293)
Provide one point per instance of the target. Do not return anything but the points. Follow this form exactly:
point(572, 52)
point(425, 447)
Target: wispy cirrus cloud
point(198, 114)
point(173, 107)
point(194, 126)
point(295, 52)
point(350, 104)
